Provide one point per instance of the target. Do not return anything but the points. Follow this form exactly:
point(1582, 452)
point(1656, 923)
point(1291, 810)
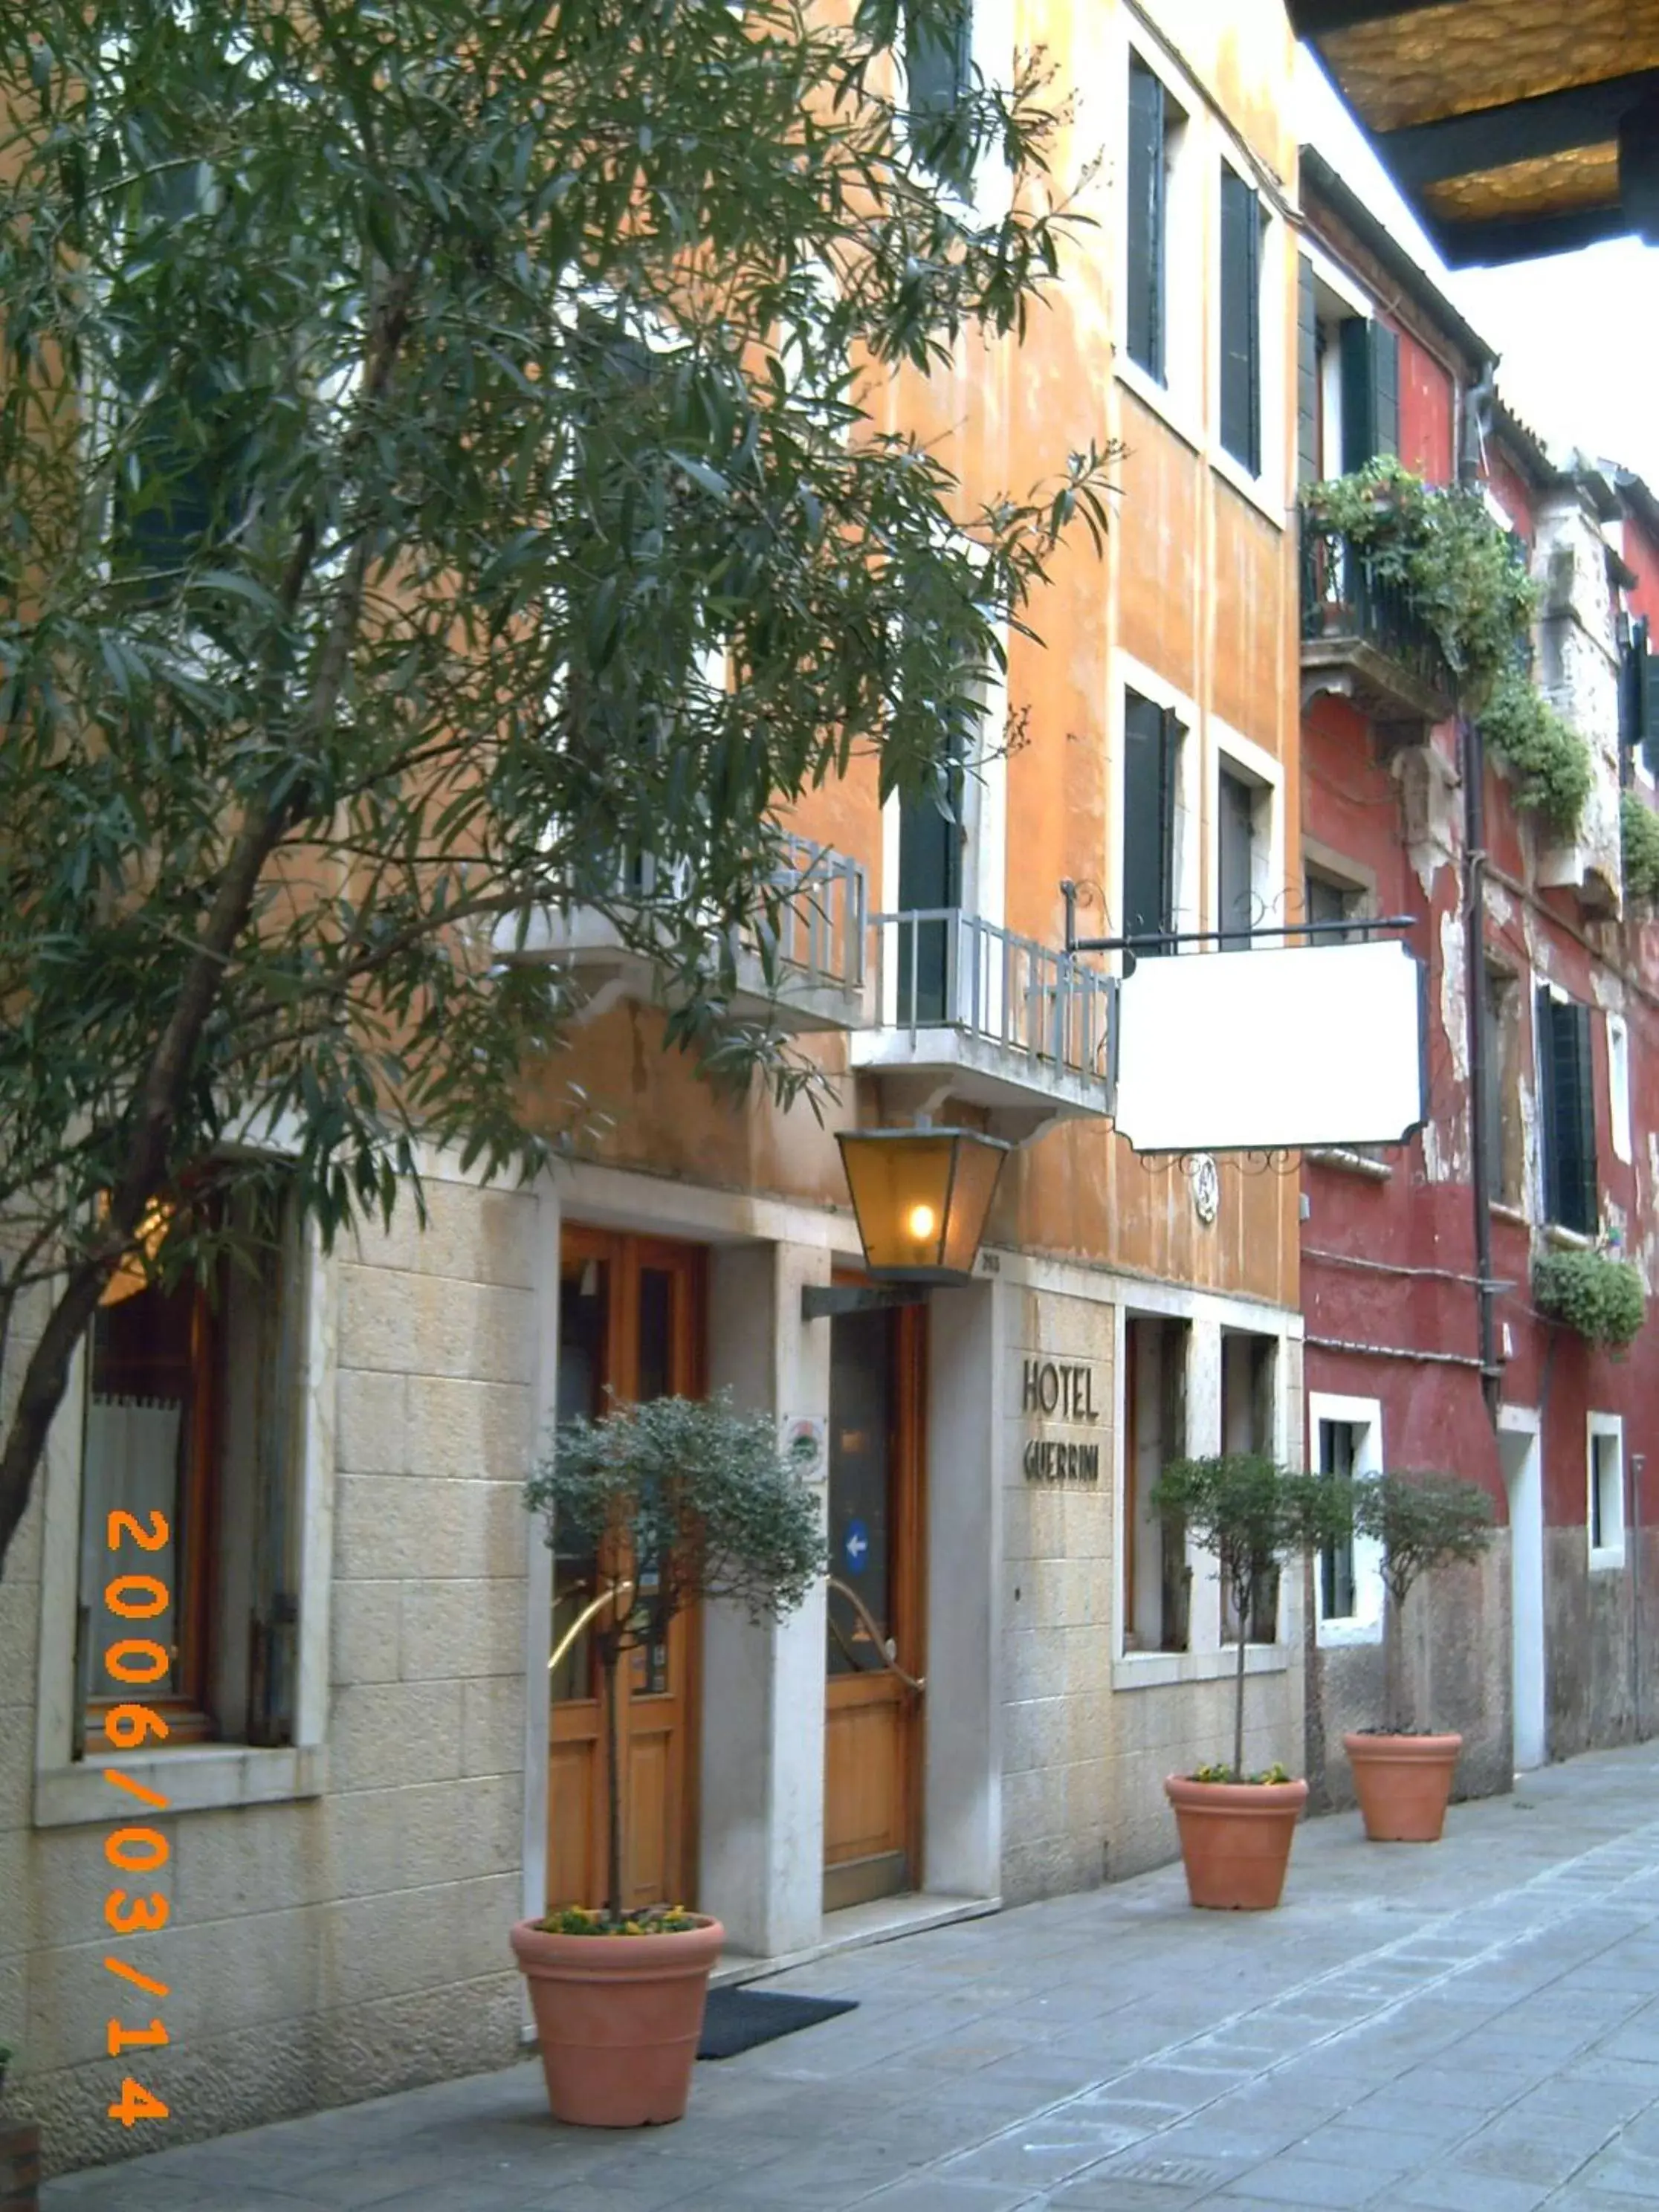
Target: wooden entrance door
point(630, 1324)
point(872, 1727)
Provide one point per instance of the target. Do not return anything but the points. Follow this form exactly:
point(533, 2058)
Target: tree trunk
point(609, 1656)
point(1244, 1598)
point(1393, 1664)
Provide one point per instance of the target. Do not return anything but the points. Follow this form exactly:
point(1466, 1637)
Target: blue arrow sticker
point(856, 1547)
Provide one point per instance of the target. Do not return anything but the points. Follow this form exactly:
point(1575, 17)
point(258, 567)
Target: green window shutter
point(929, 877)
point(1307, 374)
point(1152, 742)
point(1241, 320)
point(1385, 387)
point(1144, 305)
point(1370, 392)
point(1567, 1095)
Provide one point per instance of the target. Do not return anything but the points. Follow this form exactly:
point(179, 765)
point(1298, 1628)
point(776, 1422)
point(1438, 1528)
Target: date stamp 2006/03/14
point(135, 1661)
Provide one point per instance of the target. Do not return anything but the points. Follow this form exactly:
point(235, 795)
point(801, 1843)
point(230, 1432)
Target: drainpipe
point(1480, 1076)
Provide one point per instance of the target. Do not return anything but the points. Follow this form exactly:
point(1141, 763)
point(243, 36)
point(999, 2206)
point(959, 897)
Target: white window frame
point(1269, 490)
point(1180, 400)
point(195, 1777)
point(1364, 1624)
point(1618, 1115)
point(1607, 1555)
point(1127, 674)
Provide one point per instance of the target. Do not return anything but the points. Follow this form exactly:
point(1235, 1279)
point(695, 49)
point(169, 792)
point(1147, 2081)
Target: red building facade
point(1425, 1344)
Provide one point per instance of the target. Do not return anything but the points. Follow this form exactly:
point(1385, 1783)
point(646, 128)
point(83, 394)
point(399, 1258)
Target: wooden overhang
point(1514, 128)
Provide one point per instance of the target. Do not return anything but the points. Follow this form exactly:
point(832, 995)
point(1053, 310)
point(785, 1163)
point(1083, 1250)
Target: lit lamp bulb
point(920, 1221)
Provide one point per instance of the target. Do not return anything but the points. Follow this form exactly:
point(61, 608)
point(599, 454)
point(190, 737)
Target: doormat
point(736, 2020)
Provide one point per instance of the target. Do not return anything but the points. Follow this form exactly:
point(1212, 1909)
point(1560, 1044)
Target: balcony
point(971, 1014)
point(802, 973)
point(1362, 636)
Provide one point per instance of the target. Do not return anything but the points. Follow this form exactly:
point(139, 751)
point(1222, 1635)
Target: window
point(938, 45)
point(930, 880)
point(1249, 1370)
point(1638, 698)
point(1339, 1452)
point(1151, 750)
point(1606, 1504)
point(1505, 1139)
point(1370, 356)
point(1326, 900)
point(193, 1411)
point(1241, 320)
point(1241, 853)
point(1344, 1441)
point(1155, 123)
point(1567, 1097)
point(1157, 1581)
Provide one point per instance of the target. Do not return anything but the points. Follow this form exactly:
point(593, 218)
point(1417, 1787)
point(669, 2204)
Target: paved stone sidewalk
point(1473, 2028)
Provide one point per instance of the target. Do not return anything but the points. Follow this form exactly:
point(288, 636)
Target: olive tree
point(1422, 1520)
point(675, 1500)
point(1250, 1513)
point(443, 462)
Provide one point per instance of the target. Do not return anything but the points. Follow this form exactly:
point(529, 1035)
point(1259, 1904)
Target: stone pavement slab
point(1473, 2028)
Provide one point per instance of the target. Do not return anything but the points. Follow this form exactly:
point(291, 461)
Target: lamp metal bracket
point(822, 1301)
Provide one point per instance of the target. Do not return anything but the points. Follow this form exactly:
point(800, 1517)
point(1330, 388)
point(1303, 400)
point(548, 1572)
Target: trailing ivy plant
point(1638, 828)
point(1466, 580)
point(1549, 762)
point(1593, 1293)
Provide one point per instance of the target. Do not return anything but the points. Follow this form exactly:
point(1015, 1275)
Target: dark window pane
point(929, 878)
point(1324, 901)
point(1144, 306)
point(1236, 846)
point(1567, 1089)
point(861, 1443)
point(656, 1333)
point(584, 1309)
point(1337, 1598)
point(938, 37)
point(1241, 320)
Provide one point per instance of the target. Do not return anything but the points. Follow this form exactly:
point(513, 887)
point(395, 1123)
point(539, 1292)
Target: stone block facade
point(352, 1940)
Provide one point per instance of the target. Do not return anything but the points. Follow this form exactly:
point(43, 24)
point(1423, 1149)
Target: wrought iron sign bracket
point(822, 1301)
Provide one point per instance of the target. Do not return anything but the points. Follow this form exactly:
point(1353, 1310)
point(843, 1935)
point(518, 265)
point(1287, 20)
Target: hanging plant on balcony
point(1439, 544)
point(1638, 829)
point(1549, 762)
point(1598, 1297)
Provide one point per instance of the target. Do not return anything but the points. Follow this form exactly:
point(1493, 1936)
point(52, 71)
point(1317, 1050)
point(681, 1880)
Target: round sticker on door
point(856, 1547)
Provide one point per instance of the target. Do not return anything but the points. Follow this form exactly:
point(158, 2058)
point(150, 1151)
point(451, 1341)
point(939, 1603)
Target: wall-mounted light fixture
point(921, 1197)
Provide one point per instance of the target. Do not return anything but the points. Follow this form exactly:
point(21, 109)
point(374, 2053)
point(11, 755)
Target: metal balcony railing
point(816, 927)
point(1343, 598)
point(940, 968)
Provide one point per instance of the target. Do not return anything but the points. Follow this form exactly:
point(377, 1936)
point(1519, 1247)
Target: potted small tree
point(680, 1500)
point(1402, 1771)
point(1250, 1514)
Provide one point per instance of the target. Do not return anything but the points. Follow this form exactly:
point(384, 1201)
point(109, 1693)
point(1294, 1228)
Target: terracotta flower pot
point(1236, 1839)
point(618, 2018)
point(1403, 1783)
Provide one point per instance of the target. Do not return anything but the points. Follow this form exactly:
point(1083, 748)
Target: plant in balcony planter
point(1596, 1294)
point(1251, 1514)
point(680, 1500)
point(1402, 1771)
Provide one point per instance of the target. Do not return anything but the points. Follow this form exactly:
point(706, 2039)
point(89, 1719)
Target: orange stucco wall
point(1197, 586)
